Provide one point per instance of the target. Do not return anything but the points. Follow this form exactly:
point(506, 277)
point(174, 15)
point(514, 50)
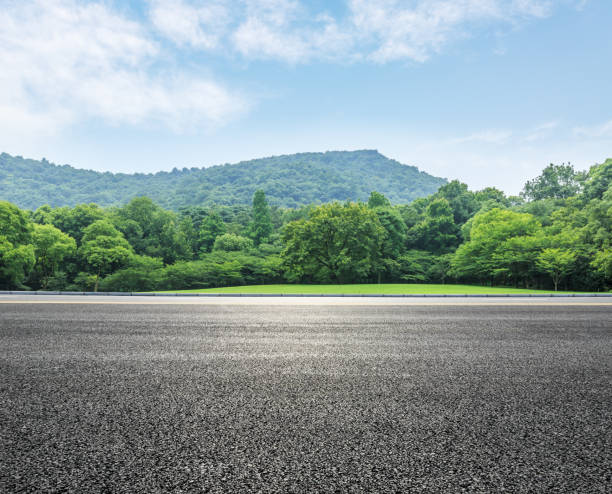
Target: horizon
point(488, 93)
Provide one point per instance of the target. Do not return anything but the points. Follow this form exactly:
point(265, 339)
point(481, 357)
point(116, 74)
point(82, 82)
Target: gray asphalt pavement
point(319, 397)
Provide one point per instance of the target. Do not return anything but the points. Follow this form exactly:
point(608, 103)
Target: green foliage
point(289, 181)
point(603, 263)
point(152, 231)
point(261, 228)
point(104, 248)
point(378, 200)
point(437, 231)
point(229, 242)
point(598, 180)
point(71, 221)
point(555, 182)
point(394, 241)
point(451, 235)
point(556, 263)
point(502, 248)
point(142, 274)
point(338, 242)
point(16, 250)
point(212, 227)
point(51, 246)
point(462, 202)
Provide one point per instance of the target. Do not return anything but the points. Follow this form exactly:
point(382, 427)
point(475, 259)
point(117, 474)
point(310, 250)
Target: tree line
point(556, 235)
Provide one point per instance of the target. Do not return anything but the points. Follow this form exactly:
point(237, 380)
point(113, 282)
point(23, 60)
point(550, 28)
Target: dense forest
point(289, 181)
point(556, 234)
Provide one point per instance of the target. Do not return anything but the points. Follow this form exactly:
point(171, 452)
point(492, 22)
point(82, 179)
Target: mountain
point(289, 181)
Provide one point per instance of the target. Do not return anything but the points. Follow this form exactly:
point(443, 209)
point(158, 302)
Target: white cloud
point(199, 26)
point(487, 137)
point(377, 30)
point(64, 61)
point(602, 130)
point(397, 31)
point(541, 131)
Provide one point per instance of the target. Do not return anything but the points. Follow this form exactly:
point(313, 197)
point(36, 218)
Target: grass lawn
point(389, 288)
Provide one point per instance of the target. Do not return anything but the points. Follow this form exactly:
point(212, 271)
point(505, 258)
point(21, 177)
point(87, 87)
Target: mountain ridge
point(288, 180)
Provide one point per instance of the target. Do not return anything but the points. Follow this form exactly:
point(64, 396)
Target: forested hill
point(289, 181)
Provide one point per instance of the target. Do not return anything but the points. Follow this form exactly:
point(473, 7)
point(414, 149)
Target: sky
point(485, 91)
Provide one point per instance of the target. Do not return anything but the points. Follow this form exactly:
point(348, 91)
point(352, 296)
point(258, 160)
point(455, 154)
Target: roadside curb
point(357, 295)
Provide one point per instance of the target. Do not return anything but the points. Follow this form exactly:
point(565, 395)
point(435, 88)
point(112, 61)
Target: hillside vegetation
point(557, 236)
point(288, 181)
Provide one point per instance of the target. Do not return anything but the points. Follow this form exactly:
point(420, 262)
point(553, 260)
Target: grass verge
point(385, 288)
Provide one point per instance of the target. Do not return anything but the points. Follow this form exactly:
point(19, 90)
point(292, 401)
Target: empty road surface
point(123, 394)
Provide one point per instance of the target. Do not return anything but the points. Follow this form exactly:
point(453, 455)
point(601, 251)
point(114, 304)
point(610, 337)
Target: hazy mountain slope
point(288, 180)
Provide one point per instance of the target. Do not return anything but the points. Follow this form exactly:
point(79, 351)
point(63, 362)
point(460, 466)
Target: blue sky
point(487, 91)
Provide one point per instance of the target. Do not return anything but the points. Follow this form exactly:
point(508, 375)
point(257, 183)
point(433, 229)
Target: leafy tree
point(462, 202)
point(556, 263)
point(394, 240)
point(338, 242)
point(212, 227)
point(152, 231)
point(437, 232)
point(603, 264)
point(491, 197)
point(598, 180)
point(229, 242)
point(378, 200)
point(73, 221)
point(503, 244)
point(555, 182)
point(104, 249)
point(142, 274)
point(261, 228)
point(51, 246)
point(16, 252)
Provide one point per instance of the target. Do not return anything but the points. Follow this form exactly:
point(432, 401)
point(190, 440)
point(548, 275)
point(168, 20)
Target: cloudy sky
point(487, 91)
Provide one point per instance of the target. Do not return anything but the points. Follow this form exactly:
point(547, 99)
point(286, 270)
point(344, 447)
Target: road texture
point(319, 397)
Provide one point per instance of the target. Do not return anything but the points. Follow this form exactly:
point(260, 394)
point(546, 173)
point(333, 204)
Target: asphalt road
point(303, 397)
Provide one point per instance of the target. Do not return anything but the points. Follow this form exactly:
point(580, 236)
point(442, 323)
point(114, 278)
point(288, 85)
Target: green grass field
point(395, 288)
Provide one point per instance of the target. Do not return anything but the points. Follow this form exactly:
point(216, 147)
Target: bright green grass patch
point(389, 288)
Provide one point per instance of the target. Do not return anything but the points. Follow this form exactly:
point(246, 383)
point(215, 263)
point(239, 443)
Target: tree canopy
point(452, 235)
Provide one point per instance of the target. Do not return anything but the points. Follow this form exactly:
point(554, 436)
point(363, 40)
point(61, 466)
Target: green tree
point(503, 244)
point(212, 227)
point(104, 249)
point(16, 251)
point(437, 232)
point(152, 231)
point(378, 200)
point(73, 221)
point(394, 241)
point(556, 263)
point(338, 242)
point(229, 242)
point(51, 246)
point(603, 264)
point(555, 182)
point(261, 228)
point(142, 274)
point(598, 180)
point(463, 203)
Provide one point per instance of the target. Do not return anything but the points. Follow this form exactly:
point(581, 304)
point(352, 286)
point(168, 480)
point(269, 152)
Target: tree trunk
point(97, 279)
